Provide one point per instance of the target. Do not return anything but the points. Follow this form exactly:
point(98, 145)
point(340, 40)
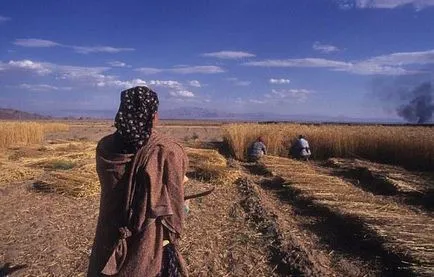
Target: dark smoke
point(420, 108)
point(409, 96)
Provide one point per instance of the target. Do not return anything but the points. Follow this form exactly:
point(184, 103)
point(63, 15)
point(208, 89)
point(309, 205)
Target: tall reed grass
point(25, 133)
point(412, 147)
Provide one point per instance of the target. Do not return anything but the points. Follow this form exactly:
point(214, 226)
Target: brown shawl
point(142, 199)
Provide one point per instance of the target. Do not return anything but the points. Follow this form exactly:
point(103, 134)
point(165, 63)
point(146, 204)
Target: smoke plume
point(410, 97)
point(420, 108)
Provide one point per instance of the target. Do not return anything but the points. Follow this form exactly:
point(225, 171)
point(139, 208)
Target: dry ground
point(184, 131)
point(277, 218)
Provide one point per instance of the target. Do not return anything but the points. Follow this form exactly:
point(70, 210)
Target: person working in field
point(301, 149)
point(257, 150)
point(142, 175)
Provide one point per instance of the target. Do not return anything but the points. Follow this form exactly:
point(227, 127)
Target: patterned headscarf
point(134, 118)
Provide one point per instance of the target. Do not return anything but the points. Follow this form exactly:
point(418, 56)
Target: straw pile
point(404, 231)
point(209, 166)
point(403, 181)
point(69, 169)
point(63, 167)
point(11, 173)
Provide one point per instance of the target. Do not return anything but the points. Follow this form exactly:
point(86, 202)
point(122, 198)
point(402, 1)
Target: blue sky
point(305, 57)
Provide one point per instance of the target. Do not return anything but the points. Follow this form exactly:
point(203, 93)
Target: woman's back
point(142, 195)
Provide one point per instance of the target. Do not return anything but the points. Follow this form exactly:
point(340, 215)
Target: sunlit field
point(407, 146)
point(345, 213)
point(25, 133)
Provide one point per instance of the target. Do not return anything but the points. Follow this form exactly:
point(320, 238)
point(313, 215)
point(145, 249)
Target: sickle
point(205, 193)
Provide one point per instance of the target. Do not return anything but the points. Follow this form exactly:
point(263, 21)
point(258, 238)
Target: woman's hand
point(187, 206)
point(186, 202)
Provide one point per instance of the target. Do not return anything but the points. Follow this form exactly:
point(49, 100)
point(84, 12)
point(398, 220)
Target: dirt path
point(217, 240)
point(291, 249)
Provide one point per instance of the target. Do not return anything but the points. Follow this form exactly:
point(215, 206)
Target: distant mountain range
point(201, 113)
point(15, 114)
point(193, 113)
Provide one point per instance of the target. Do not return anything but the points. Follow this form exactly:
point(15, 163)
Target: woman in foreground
point(142, 195)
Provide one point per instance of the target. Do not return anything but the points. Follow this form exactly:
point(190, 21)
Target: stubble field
point(345, 213)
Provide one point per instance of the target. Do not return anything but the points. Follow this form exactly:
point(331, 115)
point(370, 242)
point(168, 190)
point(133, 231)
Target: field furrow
point(408, 240)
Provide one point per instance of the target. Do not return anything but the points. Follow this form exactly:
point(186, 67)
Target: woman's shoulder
point(168, 143)
point(105, 142)
point(168, 149)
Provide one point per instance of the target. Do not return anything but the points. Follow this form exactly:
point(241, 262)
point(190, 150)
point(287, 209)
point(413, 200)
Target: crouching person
point(301, 149)
point(257, 150)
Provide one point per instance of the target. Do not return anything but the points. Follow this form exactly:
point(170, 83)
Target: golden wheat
point(51, 127)
point(25, 133)
point(402, 145)
point(210, 166)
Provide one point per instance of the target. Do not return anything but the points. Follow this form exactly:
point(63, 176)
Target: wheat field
point(412, 147)
point(14, 133)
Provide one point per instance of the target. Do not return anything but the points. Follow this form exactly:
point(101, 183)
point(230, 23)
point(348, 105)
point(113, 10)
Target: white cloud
point(32, 42)
point(35, 42)
point(85, 75)
point(238, 82)
point(324, 48)
point(28, 65)
point(232, 79)
point(279, 96)
point(229, 55)
point(391, 64)
point(81, 72)
point(195, 83)
point(239, 100)
point(306, 62)
point(365, 68)
point(279, 81)
point(255, 101)
point(177, 89)
point(88, 76)
point(99, 49)
point(42, 87)
point(110, 82)
point(299, 95)
point(118, 64)
point(403, 58)
point(203, 69)
point(168, 84)
point(149, 70)
point(182, 93)
point(4, 19)
point(384, 4)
